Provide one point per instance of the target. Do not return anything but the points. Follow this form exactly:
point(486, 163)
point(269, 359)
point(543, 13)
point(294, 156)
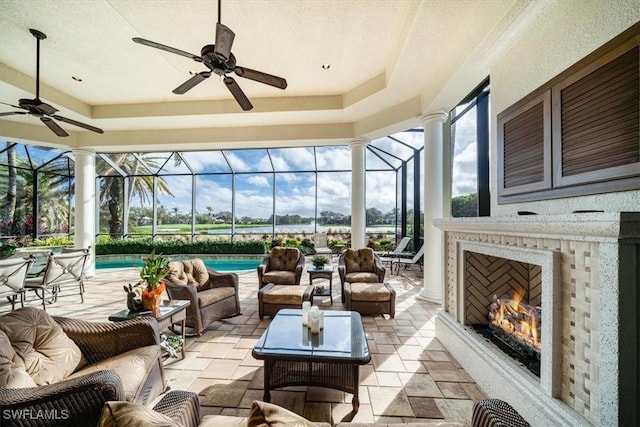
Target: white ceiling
point(391, 61)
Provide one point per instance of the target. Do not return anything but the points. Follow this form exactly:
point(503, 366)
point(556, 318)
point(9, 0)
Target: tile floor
point(411, 377)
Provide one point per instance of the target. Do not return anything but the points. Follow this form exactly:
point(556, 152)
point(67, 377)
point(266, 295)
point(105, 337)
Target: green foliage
point(53, 241)
point(382, 244)
point(337, 242)
point(464, 206)
point(7, 249)
point(155, 268)
point(320, 260)
point(145, 246)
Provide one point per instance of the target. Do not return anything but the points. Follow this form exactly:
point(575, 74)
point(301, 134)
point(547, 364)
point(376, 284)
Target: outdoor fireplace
point(571, 272)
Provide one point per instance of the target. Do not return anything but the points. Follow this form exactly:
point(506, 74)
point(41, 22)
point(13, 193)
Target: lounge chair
point(407, 262)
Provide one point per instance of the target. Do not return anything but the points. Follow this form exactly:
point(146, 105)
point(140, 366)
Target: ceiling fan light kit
point(45, 112)
point(219, 60)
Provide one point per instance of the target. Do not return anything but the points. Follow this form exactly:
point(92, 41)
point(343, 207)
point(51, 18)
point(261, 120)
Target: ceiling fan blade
point(53, 126)
point(224, 41)
point(79, 124)
point(11, 113)
point(184, 87)
point(261, 77)
point(11, 105)
point(237, 93)
point(46, 108)
point(166, 48)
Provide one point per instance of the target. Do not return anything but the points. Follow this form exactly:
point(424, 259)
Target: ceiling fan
point(35, 107)
point(219, 60)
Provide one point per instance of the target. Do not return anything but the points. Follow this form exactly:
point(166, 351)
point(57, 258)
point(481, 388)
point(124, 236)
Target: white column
point(85, 204)
point(358, 193)
point(433, 287)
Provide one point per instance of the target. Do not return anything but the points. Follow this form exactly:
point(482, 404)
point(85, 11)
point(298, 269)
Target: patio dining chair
point(13, 273)
point(62, 270)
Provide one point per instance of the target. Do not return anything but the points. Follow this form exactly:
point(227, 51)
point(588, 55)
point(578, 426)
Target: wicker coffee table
point(293, 356)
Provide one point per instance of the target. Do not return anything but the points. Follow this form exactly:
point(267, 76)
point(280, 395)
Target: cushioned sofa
point(213, 295)
point(56, 370)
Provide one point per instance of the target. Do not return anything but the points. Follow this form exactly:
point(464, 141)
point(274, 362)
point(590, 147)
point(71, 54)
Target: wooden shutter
point(597, 120)
point(524, 146)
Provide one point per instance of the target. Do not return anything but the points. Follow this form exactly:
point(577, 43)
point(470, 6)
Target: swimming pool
point(218, 263)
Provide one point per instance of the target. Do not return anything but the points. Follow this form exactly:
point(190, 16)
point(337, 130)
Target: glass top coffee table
point(293, 356)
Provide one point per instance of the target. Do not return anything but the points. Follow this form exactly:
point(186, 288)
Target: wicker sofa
point(68, 368)
point(213, 295)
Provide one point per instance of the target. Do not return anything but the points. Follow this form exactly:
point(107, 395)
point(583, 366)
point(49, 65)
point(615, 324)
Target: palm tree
point(140, 186)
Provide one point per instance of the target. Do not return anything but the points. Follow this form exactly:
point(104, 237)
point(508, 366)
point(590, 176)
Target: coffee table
point(293, 356)
point(170, 313)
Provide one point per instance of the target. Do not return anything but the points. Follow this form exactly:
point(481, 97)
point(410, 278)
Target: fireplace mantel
point(593, 370)
point(582, 226)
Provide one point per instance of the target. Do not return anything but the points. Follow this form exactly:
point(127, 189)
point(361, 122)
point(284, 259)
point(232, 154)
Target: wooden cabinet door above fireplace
point(577, 134)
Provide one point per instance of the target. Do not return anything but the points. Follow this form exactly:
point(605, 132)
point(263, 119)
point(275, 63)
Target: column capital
point(440, 116)
point(86, 151)
point(363, 142)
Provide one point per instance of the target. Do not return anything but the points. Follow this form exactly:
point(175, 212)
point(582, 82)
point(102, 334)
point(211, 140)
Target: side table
point(325, 272)
point(171, 312)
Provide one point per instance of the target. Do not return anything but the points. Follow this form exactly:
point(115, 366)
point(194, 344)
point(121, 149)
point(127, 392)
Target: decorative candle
point(306, 305)
point(314, 320)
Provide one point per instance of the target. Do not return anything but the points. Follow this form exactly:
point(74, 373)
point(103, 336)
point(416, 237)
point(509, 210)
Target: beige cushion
point(369, 292)
point(263, 414)
point(213, 295)
point(279, 277)
point(192, 272)
point(127, 414)
point(132, 367)
point(12, 371)
point(283, 258)
point(362, 259)
point(284, 294)
point(47, 353)
point(222, 421)
point(361, 276)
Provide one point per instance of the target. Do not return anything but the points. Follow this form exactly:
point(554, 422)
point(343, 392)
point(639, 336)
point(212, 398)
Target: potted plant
point(155, 268)
point(319, 261)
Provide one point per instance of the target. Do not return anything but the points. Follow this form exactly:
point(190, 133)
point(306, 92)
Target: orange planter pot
point(152, 299)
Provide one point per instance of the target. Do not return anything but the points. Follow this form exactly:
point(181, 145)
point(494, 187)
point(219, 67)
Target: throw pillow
point(49, 355)
point(263, 414)
point(128, 414)
point(12, 371)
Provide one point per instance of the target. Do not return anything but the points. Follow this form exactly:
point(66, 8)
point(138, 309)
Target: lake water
point(302, 229)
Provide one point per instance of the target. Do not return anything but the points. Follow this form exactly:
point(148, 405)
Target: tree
point(464, 206)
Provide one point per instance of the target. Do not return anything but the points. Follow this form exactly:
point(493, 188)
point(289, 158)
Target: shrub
point(7, 249)
point(53, 241)
point(144, 246)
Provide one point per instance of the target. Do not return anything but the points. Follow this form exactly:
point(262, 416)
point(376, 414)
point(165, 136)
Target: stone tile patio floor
point(411, 377)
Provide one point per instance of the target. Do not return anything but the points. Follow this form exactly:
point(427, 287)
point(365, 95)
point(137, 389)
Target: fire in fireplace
point(514, 326)
point(517, 320)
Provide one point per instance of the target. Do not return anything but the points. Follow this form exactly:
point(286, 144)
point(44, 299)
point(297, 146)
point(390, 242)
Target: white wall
point(566, 33)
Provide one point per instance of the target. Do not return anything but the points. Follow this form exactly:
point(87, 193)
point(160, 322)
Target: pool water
point(218, 263)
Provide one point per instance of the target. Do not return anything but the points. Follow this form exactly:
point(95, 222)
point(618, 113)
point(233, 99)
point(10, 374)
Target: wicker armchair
point(359, 266)
point(213, 295)
point(283, 266)
point(119, 361)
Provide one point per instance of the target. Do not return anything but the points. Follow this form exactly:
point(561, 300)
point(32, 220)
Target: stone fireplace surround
point(590, 280)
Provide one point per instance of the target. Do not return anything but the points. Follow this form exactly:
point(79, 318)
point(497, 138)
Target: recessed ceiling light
point(326, 66)
point(78, 79)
